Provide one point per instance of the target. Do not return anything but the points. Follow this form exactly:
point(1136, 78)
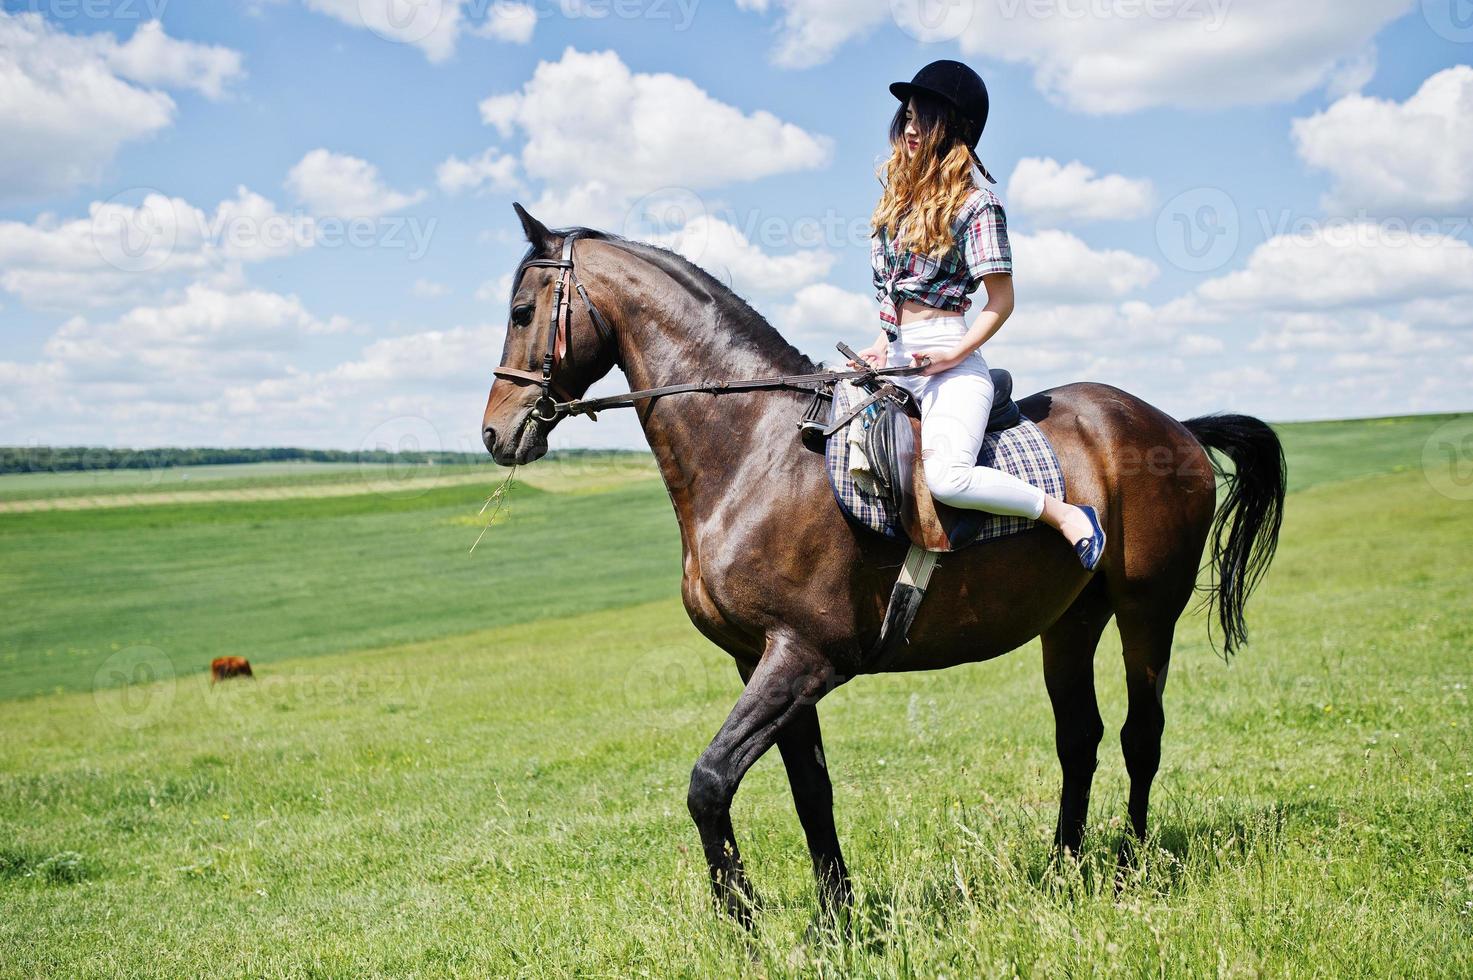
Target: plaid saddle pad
point(1022, 450)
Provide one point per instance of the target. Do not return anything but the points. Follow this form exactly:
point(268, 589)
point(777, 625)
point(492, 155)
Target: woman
point(939, 232)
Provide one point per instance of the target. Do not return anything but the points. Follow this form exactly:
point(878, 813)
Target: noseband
point(559, 328)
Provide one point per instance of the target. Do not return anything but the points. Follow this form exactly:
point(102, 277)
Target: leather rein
point(550, 409)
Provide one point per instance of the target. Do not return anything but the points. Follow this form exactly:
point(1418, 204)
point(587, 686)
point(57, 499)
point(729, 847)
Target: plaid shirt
point(981, 248)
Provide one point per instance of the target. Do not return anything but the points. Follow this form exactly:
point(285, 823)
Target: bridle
point(559, 328)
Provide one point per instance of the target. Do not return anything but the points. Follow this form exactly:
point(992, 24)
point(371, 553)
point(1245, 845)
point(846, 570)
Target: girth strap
point(905, 602)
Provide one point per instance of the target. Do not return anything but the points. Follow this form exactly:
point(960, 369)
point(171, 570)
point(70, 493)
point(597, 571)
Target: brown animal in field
point(222, 668)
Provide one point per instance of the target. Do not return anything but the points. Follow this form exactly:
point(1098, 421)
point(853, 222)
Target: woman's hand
point(873, 357)
point(940, 359)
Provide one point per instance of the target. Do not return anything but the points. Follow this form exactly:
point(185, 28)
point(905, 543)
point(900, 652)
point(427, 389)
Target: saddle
point(873, 416)
point(892, 443)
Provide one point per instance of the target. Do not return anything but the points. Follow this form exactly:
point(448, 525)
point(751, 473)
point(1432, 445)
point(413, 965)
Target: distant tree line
point(55, 459)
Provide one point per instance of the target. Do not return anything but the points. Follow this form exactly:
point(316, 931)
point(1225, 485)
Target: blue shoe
point(1091, 549)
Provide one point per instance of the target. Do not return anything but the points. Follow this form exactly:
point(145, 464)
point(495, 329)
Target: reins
point(796, 382)
point(549, 409)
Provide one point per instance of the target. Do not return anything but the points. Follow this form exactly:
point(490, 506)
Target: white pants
point(954, 408)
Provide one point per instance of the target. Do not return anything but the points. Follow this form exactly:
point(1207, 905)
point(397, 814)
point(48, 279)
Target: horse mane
point(746, 329)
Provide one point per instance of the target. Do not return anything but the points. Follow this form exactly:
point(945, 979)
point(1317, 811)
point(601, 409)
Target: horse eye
point(521, 315)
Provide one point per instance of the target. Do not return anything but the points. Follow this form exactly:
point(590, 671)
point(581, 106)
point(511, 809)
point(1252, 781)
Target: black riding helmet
point(963, 90)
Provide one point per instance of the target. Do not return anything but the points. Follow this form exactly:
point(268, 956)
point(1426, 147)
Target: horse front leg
point(789, 678)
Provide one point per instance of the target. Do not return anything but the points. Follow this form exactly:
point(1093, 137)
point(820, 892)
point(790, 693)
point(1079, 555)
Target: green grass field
point(475, 763)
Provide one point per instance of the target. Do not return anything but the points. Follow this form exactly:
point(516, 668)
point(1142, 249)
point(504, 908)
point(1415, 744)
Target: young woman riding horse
point(778, 577)
point(954, 237)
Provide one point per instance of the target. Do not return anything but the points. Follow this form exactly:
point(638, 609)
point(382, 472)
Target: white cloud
point(151, 57)
point(496, 290)
point(162, 373)
point(1195, 344)
point(428, 289)
point(337, 185)
point(725, 252)
point(435, 378)
point(1129, 326)
point(68, 102)
point(1344, 265)
point(1412, 157)
point(1330, 324)
point(1353, 73)
point(501, 111)
point(490, 171)
point(821, 314)
point(122, 253)
point(1054, 193)
point(1117, 56)
point(510, 22)
point(1443, 312)
point(811, 31)
point(433, 26)
point(586, 110)
point(192, 344)
point(1055, 266)
point(212, 366)
point(1358, 332)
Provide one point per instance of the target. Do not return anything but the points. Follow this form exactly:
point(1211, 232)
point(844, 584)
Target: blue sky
point(288, 222)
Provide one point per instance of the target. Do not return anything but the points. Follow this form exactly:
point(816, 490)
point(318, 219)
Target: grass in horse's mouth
point(498, 497)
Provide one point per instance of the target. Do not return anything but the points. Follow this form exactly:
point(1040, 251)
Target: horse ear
point(536, 232)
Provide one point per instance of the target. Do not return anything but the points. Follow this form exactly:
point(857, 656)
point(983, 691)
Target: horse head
point(557, 344)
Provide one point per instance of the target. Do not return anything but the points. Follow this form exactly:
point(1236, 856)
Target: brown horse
point(776, 575)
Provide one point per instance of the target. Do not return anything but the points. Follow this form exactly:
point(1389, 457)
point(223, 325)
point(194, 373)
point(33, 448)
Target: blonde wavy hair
point(925, 190)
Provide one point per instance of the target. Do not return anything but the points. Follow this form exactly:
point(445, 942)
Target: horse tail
point(1245, 532)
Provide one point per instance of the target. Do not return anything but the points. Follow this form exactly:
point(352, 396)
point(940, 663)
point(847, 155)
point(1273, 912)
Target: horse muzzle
point(526, 442)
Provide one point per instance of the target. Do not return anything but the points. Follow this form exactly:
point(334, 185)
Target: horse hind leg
point(801, 745)
point(1068, 672)
point(1145, 637)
